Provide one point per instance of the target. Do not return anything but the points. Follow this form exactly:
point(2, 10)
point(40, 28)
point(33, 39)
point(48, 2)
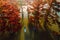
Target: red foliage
point(9, 18)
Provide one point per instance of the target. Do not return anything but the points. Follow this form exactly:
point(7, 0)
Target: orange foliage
point(36, 8)
point(10, 13)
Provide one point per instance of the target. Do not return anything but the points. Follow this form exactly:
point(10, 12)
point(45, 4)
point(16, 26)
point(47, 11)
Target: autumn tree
point(9, 17)
point(42, 14)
